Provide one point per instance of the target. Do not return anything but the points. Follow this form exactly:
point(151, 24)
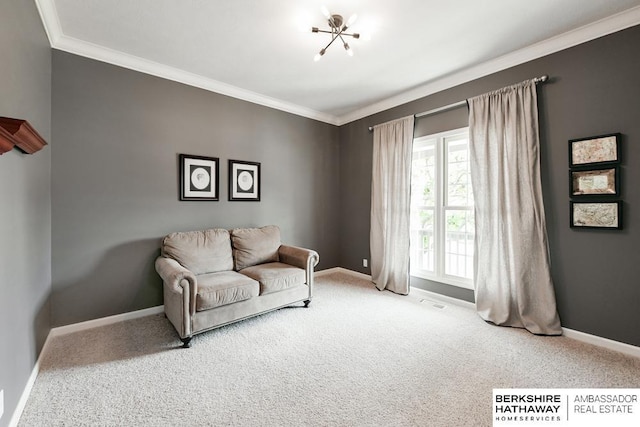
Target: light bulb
point(325, 12)
point(352, 20)
point(348, 49)
point(319, 55)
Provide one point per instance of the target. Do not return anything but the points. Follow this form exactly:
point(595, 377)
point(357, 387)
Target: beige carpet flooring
point(355, 357)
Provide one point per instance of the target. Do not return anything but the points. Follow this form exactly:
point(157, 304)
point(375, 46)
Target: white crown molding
point(603, 27)
point(60, 41)
point(99, 53)
point(50, 20)
point(600, 28)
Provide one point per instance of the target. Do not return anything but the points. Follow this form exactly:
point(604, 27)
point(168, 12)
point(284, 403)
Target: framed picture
point(199, 177)
point(596, 215)
point(594, 150)
point(594, 182)
point(244, 181)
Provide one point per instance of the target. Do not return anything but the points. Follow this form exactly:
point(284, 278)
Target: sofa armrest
point(178, 279)
point(302, 258)
point(298, 257)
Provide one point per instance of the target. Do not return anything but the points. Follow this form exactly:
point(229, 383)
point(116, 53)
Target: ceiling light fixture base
point(337, 29)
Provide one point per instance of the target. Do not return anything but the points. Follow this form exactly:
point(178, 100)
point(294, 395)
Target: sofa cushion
point(222, 288)
point(275, 276)
point(252, 246)
point(205, 251)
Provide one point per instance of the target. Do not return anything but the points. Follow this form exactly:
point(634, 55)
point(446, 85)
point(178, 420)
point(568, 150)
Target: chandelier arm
point(346, 46)
point(333, 32)
point(331, 42)
point(341, 39)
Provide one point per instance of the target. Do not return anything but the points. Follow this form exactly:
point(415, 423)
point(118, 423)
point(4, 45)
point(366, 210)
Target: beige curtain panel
point(512, 275)
point(390, 205)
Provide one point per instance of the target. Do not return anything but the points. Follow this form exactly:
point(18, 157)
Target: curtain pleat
point(513, 285)
point(390, 205)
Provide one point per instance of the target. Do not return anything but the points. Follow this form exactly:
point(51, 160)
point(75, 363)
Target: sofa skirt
point(220, 316)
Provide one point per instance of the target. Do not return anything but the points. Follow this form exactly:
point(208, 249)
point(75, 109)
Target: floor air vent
point(434, 303)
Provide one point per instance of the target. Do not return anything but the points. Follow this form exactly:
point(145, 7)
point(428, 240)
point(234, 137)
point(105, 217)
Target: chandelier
point(337, 28)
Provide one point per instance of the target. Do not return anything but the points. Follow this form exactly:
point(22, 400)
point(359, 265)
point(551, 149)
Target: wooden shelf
point(19, 133)
point(6, 141)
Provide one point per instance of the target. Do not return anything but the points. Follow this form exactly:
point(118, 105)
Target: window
point(442, 219)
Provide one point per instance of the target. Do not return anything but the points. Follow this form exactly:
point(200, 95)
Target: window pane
point(422, 239)
point(458, 173)
point(423, 174)
point(442, 228)
point(459, 243)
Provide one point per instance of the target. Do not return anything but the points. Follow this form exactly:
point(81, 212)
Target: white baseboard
point(618, 346)
point(24, 397)
point(414, 290)
point(627, 349)
point(63, 330)
point(90, 324)
point(442, 298)
point(321, 273)
point(344, 271)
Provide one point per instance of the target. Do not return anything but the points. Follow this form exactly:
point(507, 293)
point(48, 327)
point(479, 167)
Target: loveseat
point(215, 277)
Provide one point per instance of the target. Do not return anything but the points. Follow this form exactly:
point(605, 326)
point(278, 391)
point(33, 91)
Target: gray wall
point(118, 134)
point(104, 192)
point(25, 200)
point(593, 90)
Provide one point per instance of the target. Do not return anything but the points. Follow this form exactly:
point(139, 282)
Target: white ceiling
point(255, 49)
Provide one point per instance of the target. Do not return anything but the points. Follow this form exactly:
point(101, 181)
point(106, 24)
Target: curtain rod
point(540, 79)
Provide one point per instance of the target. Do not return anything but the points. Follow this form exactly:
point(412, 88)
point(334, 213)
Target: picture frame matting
point(244, 181)
point(199, 178)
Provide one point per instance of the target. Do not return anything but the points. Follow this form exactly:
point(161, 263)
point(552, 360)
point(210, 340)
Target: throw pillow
point(252, 246)
point(205, 251)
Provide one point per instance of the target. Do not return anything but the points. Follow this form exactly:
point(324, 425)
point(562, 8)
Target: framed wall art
point(594, 182)
point(244, 181)
point(596, 215)
point(603, 149)
point(199, 178)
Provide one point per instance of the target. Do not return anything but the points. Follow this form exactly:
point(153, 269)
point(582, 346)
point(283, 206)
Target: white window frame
point(440, 209)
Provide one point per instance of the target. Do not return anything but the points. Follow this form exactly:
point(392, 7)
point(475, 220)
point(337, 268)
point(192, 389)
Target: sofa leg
point(186, 342)
point(306, 303)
